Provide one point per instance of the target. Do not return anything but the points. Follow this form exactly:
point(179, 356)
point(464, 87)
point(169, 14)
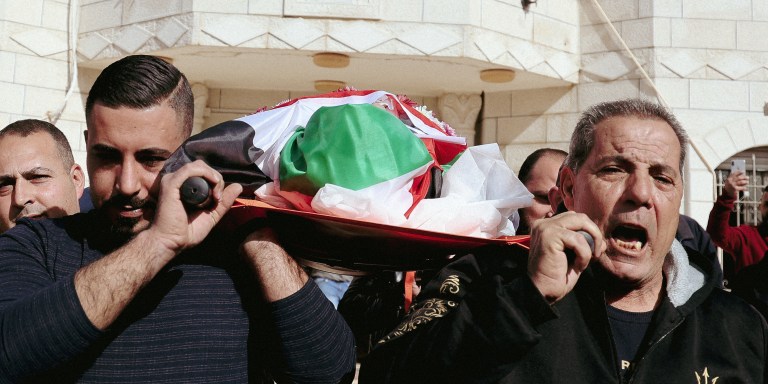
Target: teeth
point(634, 245)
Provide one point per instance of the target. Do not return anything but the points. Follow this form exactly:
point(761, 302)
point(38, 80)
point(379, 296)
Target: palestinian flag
point(361, 181)
point(366, 154)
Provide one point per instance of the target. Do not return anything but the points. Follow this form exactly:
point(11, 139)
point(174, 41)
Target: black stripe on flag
point(227, 148)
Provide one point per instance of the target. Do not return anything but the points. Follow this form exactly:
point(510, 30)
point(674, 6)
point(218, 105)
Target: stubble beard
point(123, 229)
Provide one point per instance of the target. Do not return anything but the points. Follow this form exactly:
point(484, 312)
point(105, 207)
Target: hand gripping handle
point(195, 192)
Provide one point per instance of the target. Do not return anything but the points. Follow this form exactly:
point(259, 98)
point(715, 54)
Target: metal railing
point(747, 207)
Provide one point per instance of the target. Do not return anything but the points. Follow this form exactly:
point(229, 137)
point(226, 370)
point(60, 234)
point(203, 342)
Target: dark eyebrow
point(539, 192)
point(26, 174)
point(105, 149)
point(160, 152)
point(663, 168)
point(36, 171)
point(654, 168)
point(618, 159)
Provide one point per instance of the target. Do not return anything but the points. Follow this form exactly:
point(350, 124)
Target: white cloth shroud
point(479, 194)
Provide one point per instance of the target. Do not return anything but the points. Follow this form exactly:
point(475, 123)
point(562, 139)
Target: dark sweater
point(200, 320)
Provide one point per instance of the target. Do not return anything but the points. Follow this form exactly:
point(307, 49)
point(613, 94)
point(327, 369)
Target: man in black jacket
point(636, 308)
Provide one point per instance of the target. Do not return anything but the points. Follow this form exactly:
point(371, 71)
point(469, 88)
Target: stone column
point(200, 91)
point(460, 112)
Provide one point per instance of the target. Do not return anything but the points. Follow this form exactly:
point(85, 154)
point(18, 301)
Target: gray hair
point(583, 138)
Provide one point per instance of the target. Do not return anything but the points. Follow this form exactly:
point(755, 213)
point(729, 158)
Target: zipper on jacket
point(634, 367)
point(611, 342)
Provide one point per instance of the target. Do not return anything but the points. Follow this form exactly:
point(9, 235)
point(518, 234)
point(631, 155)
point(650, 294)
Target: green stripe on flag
point(353, 146)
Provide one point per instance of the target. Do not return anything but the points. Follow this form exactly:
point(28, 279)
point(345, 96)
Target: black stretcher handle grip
point(195, 192)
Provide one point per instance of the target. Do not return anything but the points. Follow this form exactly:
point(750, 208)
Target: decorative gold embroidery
point(705, 376)
point(451, 285)
point(423, 313)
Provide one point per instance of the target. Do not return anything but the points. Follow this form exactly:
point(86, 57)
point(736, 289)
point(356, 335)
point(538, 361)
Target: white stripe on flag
point(383, 203)
point(274, 127)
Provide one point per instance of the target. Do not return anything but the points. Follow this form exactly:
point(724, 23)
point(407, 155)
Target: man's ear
point(78, 178)
point(85, 135)
point(566, 186)
point(555, 198)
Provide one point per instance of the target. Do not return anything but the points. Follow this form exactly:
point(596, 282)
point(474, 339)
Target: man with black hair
point(38, 174)
point(539, 174)
point(141, 289)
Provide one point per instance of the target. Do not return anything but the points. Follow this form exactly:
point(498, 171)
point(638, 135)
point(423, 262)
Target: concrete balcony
point(420, 47)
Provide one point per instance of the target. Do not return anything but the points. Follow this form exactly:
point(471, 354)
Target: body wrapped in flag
point(369, 156)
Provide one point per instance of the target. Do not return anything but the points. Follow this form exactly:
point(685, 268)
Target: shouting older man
point(636, 308)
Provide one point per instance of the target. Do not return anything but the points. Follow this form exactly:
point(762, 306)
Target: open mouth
point(630, 237)
point(130, 212)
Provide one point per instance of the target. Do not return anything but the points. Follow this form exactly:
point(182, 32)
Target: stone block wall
point(709, 63)
point(713, 73)
point(35, 68)
point(499, 32)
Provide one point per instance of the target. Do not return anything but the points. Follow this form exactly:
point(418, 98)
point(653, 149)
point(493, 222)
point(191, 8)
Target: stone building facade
point(708, 61)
